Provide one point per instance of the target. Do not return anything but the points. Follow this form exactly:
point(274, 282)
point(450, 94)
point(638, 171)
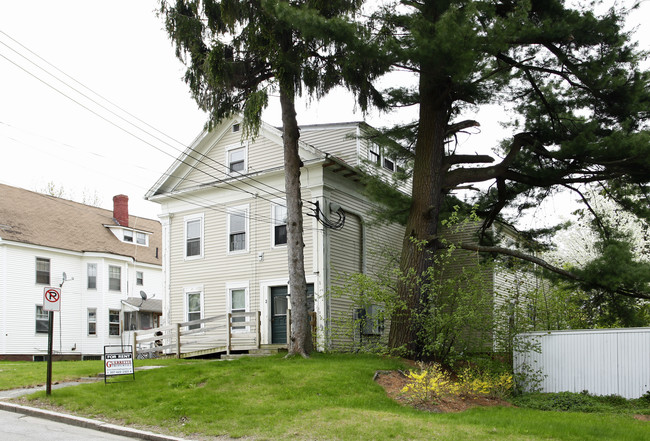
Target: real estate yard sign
point(118, 363)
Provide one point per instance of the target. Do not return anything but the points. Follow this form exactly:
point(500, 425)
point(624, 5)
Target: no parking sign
point(52, 299)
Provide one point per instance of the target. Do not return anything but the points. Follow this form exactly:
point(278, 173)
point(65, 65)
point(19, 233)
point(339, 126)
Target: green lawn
point(326, 397)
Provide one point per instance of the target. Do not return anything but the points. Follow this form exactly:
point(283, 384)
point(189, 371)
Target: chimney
point(121, 209)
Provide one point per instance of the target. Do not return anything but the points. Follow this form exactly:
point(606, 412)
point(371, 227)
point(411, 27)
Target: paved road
point(18, 427)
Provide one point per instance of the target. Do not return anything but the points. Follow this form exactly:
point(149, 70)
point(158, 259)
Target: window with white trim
point(139, 278)
point(279, 216)
point(237, 159)
point(194, 236)
point(114, 322)
point(42, 271)
point(42, 320)
point(194, 307)
point(127, 235)
point(140, 238)
point(92, 321)
point(238, 302)
point(374, 154)
point(92, 276)
point(237, 228)
point(114, 278)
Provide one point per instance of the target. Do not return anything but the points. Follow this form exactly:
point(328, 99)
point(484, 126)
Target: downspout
point(165, 220)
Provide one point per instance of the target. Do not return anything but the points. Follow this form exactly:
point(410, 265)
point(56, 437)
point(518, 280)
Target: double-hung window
point(114, 322)
point(237, 228)
point(140, 238)
point(128, 236)
point(237, 159)
point(92, 276)
point(279, 225)
point(194, 236)
point(139, 278)
point(238, 300)
point(114, 278)
point(92, 321)
point(374, 155)
point(42, 320)
point(194, 307)
point(42, 271)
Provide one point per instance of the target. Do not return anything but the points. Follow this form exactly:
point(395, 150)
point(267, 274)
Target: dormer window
point(140, 238)
point(128, 236)
point(373, 154)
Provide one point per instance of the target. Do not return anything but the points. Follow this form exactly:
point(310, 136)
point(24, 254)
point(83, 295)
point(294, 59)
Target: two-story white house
point(224, 228)
point(108, 257)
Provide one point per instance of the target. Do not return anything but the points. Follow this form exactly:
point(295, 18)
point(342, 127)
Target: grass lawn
point(19, 374)
point(326, 397)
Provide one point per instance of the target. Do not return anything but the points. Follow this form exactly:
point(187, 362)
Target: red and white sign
point(52, 299)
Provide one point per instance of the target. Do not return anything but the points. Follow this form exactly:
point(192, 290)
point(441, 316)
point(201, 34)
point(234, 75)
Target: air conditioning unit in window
point(371, 320)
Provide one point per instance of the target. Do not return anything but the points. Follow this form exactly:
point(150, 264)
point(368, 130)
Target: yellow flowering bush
point(432, 382)
point(428, 384)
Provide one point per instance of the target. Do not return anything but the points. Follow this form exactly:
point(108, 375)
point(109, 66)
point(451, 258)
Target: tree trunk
point(420, 237)
point(301, 342)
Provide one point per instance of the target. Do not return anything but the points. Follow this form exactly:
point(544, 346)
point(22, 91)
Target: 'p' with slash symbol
point(52, 299)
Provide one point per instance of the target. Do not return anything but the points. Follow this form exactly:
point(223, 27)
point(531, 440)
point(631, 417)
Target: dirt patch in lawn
point(394, 381)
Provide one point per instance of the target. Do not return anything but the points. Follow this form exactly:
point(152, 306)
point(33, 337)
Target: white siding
point(601, 361)
point(19, 295)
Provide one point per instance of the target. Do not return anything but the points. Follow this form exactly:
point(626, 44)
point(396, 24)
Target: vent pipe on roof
point(121, 209)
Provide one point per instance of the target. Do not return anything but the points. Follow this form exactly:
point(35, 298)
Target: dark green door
point(279, 314)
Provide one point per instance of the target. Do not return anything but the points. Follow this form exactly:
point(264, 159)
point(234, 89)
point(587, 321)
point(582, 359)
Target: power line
point(187, 154)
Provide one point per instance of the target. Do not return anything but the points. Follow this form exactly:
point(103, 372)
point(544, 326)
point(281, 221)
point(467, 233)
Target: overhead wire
point(193, 200)
point(186, 152)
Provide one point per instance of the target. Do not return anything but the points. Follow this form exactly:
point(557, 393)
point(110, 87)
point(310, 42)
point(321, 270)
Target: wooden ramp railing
point(221, 333)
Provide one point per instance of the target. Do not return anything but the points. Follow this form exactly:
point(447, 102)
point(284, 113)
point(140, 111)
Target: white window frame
point(141, 239)
point(93, 322)
point(43, 316)
point(88, 276)
point(234, 286)
point(110, 323)
point(127, 236)
point(186, 303)
point(187, 219)
point(237, 210)
point(139, 281)
point(275, 222)
point(374, 154)
point(49, 270)
point(229, 150)
point(119, 279)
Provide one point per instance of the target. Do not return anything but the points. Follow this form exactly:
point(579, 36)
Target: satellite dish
point(64, 276)
point(143, 295)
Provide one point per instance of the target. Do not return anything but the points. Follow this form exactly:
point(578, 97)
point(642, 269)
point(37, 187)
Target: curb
point(87, 423)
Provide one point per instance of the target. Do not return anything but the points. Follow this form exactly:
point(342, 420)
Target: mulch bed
point(394, 381)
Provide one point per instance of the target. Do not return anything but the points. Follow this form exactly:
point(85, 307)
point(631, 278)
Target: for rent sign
point(120, 363)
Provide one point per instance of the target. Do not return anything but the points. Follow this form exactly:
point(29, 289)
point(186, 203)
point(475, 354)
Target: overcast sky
point(118, 50)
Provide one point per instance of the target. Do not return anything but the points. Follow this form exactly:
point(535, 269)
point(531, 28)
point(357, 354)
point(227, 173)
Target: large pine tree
point(579, 104)
point(237, 52)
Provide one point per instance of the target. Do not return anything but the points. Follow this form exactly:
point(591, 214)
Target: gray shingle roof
point(38, 219)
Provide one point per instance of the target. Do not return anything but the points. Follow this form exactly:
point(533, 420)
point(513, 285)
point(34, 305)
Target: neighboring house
point(109, 258)
point(224, 227)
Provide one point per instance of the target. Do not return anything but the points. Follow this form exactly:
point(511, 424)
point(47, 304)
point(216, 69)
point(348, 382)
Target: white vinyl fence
point(601, 361)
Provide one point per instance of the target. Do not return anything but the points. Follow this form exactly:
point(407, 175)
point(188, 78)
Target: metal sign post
point(51, 303)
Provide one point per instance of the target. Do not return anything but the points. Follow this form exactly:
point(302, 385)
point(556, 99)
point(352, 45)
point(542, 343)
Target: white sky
point(119, 50)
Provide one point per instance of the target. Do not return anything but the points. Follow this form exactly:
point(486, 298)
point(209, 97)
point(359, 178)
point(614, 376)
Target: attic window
point(235, 128)
point(128, 236)
point(389, 164)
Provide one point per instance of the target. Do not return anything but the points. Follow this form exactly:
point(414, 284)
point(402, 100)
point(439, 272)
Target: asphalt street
point(19, 427)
